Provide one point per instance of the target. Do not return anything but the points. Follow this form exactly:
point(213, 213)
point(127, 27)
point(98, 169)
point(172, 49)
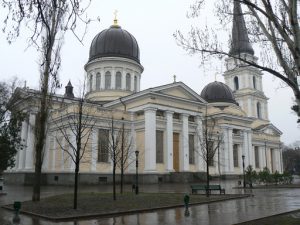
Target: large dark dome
point(115, 42)
point(217, 92)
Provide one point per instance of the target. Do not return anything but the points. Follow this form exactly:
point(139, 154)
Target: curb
point(265, 217)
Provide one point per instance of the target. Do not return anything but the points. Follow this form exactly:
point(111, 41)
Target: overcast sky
point(153, 24)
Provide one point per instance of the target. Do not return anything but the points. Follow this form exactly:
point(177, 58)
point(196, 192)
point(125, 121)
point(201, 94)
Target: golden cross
point(115, 20)
point(174, 78)
point(116, 13)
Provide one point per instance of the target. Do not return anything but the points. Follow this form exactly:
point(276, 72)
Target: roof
point(114, 42)
point(240, 40)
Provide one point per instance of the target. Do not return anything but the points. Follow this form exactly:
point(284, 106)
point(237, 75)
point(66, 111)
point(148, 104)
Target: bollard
point(17, 207)
point(186, 200)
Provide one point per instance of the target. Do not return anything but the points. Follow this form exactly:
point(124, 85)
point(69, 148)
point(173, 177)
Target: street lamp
point(244, 180)
point(266, 152)
point(136, 171)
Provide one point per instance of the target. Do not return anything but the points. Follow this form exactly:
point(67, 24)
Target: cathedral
point(164, 125)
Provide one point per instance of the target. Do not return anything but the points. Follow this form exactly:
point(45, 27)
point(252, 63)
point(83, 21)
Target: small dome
point(218, 92)
point(114, 42)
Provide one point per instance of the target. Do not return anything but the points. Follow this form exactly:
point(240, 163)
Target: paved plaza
point(265, 202)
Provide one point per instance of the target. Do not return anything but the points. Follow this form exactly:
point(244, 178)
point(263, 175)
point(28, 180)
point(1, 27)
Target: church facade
point(165, 124)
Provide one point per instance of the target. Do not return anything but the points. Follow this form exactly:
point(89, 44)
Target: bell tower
point(243, 79)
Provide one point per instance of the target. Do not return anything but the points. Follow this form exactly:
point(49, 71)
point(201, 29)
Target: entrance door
point(176, 151)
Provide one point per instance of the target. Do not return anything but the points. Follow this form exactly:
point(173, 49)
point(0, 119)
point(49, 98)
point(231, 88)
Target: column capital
point(184, 115)
point(169, 112)
point(150, 109)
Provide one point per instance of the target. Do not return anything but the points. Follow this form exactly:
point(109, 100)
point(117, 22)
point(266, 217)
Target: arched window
point(118, 80)
point(135, 83)
point(91, 82)
point(98, 80)
point(254, 82)
point(236, 83)
point(128, 82)
point(258, 109)
point(107, 80)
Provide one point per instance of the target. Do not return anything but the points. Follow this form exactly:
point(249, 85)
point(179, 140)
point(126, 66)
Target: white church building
point(165, 123)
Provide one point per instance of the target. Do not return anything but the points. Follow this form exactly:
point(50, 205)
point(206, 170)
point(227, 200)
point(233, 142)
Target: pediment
point(174, 92)
point(269, 129)
point(178, 90)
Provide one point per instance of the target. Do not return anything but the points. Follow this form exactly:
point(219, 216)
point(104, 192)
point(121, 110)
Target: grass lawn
point(292, 218)
point(92, 204)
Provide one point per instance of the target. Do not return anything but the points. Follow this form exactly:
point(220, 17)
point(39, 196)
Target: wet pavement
point(265, 202)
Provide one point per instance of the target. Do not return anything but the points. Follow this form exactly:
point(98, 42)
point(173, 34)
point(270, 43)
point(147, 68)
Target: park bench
point(203, 187)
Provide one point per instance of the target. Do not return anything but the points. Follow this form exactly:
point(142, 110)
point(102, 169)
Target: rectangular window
point(191, 149)
point(159, 146)
point(235, 155)
point(103, 145)
point(256, 153)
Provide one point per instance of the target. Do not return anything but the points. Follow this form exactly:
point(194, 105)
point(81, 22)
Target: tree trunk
point(40, 131)
point(114, 181)
point(122, 160)
point(207, 178)
point(76, 186)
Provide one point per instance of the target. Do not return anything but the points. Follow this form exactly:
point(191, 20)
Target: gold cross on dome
point(116, 20)
point(116, 13)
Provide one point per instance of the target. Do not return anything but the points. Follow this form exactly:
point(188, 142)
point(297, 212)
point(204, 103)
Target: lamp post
point(244, 180)
point(266, 152)
point(136, 172)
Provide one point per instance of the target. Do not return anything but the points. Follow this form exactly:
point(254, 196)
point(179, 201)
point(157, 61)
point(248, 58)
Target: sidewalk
point(264, 203)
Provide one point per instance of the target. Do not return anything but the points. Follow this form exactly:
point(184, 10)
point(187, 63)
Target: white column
point(132, 141)
point(113, 79)
point(102, 81)
point(132, 81)
point(184, 156)
point(281, 160)
point(46, 154)
point(200, 163)
point(261, 157)
point(250, 150)
point(30, 143)
point(266, 110)
point(150, 140)
point(123, 79)
point(224, 161)
point(94, 150)
point(246, 148)
point(250, 107)
point(138, 82)
point(94, 81)
point(230, 147)
point(169, 145)
point(22, 152)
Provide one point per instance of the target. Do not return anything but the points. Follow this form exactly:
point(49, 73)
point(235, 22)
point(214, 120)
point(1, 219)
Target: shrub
point(251, 175)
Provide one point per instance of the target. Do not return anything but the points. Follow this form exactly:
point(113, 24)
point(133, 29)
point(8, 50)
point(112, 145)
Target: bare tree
point(210, 140)
point(120, 150)
point(126, 153)
point(76, 124)
point(271, 25)
point(48, 21)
